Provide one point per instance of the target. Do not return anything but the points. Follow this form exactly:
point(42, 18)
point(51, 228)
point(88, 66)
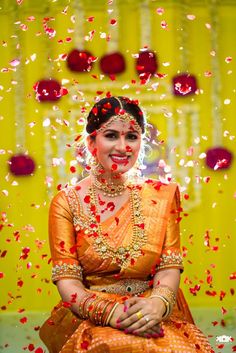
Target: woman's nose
point(121, 144)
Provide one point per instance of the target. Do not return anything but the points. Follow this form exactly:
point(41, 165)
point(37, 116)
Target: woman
point(116, 250)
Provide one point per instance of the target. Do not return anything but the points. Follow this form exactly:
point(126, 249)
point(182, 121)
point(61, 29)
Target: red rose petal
point(113, 21)
point(87, 199)
point(3, 254)
point(223, 310)
point(90, 19)
point(214, 323)
point(222, 295)
point(63, 91)
point(233, 275)
point(84, 345)
point(20, 283)
point(110, 206)
point(23, 320)
point(72, 169)
point(31, 347)
point(220, 346)
point(39, 350)
point(209, 279)
point(211, 294)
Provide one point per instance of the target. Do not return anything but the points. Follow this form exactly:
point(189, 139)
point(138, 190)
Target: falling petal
point(191, 17)
point(15, 62)
point(228, 59)
point(160, 11)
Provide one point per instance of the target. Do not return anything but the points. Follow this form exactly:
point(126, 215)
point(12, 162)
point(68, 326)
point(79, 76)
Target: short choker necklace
point(111, 190)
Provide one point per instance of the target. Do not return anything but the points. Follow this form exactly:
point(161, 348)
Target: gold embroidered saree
point(75, 255)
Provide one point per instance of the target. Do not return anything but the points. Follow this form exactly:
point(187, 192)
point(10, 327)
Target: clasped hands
point(139, 316)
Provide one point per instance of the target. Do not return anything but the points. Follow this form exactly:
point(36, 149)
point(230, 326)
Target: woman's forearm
point(169, 277)
point(72, 292)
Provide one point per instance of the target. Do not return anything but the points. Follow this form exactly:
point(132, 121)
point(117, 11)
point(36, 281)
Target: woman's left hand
point(142, 315)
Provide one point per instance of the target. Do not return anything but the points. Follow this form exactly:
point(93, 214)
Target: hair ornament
point(126, 118)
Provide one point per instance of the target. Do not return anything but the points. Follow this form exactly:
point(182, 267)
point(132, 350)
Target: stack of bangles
point(98, 311)
point(167, 295)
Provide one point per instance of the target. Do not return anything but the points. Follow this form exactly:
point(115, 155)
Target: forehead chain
point(127, 118)
point(119, 101)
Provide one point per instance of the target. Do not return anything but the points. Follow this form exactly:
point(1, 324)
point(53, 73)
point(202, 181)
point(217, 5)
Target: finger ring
point(146, 318)
point(139, 315)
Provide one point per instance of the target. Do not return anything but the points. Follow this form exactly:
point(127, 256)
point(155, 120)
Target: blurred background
point(177, 58)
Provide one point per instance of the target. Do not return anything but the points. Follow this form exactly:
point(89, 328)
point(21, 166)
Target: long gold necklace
point(123, 255)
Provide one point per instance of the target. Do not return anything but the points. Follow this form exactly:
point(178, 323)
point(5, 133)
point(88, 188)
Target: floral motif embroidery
point(170, 258)
point(66, 271)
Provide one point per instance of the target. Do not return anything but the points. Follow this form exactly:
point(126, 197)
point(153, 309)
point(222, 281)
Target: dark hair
point(108, 107)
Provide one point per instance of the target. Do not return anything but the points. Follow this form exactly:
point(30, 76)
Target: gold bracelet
point(165, 292)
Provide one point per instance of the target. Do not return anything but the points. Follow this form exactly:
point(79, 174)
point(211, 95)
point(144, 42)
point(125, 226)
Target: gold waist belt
point(123, 287)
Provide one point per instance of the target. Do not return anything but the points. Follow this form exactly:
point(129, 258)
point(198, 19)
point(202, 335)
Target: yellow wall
point(26, 204)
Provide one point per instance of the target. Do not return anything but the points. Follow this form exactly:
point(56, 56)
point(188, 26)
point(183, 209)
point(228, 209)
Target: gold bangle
point(111, 313)
point(103, 314)
point(167, 305)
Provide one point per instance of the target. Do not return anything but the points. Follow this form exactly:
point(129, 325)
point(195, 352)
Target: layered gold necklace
point(123, 255)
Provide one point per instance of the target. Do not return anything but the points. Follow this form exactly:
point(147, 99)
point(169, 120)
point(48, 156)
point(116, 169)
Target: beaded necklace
point(123, 255)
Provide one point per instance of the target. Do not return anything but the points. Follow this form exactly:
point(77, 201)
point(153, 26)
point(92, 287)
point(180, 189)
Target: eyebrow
point(129, 131)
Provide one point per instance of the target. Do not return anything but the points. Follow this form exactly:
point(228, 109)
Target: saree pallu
point(75, 256)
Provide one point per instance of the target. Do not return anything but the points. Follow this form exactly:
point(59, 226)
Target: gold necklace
point(123, 255)
point(111, 190)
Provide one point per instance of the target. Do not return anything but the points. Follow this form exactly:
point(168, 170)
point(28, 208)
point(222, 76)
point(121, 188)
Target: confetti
point(183, 88)
point(164, 24)
point(15, 62)
point(228, 59)
point(160, 11)
point(191, 17)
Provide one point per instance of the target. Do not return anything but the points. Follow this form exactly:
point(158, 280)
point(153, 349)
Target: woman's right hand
point(155, 331)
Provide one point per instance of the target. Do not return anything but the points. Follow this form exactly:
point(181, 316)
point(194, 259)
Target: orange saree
point(75, 255)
